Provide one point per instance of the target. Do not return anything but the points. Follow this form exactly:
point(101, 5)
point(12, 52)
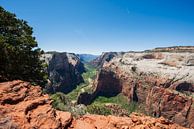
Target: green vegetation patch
point(88, 77)
point(60, 101)
point(99, 106)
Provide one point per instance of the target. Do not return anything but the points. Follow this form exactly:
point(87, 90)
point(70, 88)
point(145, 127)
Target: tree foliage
point(19, 52)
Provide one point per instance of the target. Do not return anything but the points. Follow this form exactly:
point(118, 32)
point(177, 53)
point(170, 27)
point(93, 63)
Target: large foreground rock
point(24, 106)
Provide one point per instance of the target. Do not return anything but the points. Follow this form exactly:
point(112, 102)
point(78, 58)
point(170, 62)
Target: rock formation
point(24, 106)
point(64, 70)
point(135, 121)
point(138, 74)
point(171, 105)
point(105, 57)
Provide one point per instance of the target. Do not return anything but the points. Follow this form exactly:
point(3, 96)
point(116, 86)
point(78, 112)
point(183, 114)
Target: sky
point(96, 26)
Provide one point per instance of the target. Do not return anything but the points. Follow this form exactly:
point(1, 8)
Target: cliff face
point(171, 105)
point(64, 70)
point(105, 57)
point(24, 106)
point(145, 77)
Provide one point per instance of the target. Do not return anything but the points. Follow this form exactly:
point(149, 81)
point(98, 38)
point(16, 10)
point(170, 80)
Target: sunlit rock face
point(64, 70)
point(138, 74)
point(23, 106)
point(134, 121)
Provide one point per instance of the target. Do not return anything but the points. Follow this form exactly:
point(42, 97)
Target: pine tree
point(19, 52)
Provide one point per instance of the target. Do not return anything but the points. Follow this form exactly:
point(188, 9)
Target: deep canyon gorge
point(160, 83)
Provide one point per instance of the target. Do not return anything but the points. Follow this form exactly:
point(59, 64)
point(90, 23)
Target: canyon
point(159, 82)
point(162, 83)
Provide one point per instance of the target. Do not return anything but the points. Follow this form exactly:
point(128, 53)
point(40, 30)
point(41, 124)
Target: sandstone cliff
point(64, 71)
point(24, 106)
point(144, 77)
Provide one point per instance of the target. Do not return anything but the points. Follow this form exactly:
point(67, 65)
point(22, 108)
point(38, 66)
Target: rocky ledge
point(24, 106)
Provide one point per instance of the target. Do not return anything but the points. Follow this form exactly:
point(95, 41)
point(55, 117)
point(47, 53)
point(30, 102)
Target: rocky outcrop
point(64, 70)
point(135, 121)
point(171, 105)
point(24, 106)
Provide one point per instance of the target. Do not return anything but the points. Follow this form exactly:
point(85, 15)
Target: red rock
point(25, 106)
point(135, 121)
point(171, 105)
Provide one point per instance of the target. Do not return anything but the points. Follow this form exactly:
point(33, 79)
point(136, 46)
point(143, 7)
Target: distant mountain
point(87, 57)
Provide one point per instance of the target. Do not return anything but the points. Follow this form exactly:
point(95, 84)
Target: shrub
point(98, 109)
point(60, 101)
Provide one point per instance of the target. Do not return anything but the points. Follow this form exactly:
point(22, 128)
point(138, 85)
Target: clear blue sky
point(94, 26)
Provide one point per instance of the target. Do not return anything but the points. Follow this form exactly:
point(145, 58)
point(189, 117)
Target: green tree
point(19, 52)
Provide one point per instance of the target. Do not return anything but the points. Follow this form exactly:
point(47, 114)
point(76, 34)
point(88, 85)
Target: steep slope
point(24, 106)
point(64, 70)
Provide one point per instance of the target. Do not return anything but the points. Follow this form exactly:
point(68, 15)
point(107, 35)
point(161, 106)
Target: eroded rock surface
point(24, 106)
point(135, 121)
point(172, 105)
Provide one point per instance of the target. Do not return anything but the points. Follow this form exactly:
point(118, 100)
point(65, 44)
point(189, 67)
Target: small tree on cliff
point(19, 55)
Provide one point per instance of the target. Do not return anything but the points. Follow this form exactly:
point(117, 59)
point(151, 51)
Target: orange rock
point(24, 106)
point(135, 121)
point(173, 106)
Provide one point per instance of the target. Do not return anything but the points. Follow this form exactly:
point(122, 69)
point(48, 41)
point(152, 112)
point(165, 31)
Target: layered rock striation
point(144, 77)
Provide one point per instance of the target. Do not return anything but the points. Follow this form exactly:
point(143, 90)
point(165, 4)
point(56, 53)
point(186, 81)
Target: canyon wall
point(162, 82)
point(64, 71)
